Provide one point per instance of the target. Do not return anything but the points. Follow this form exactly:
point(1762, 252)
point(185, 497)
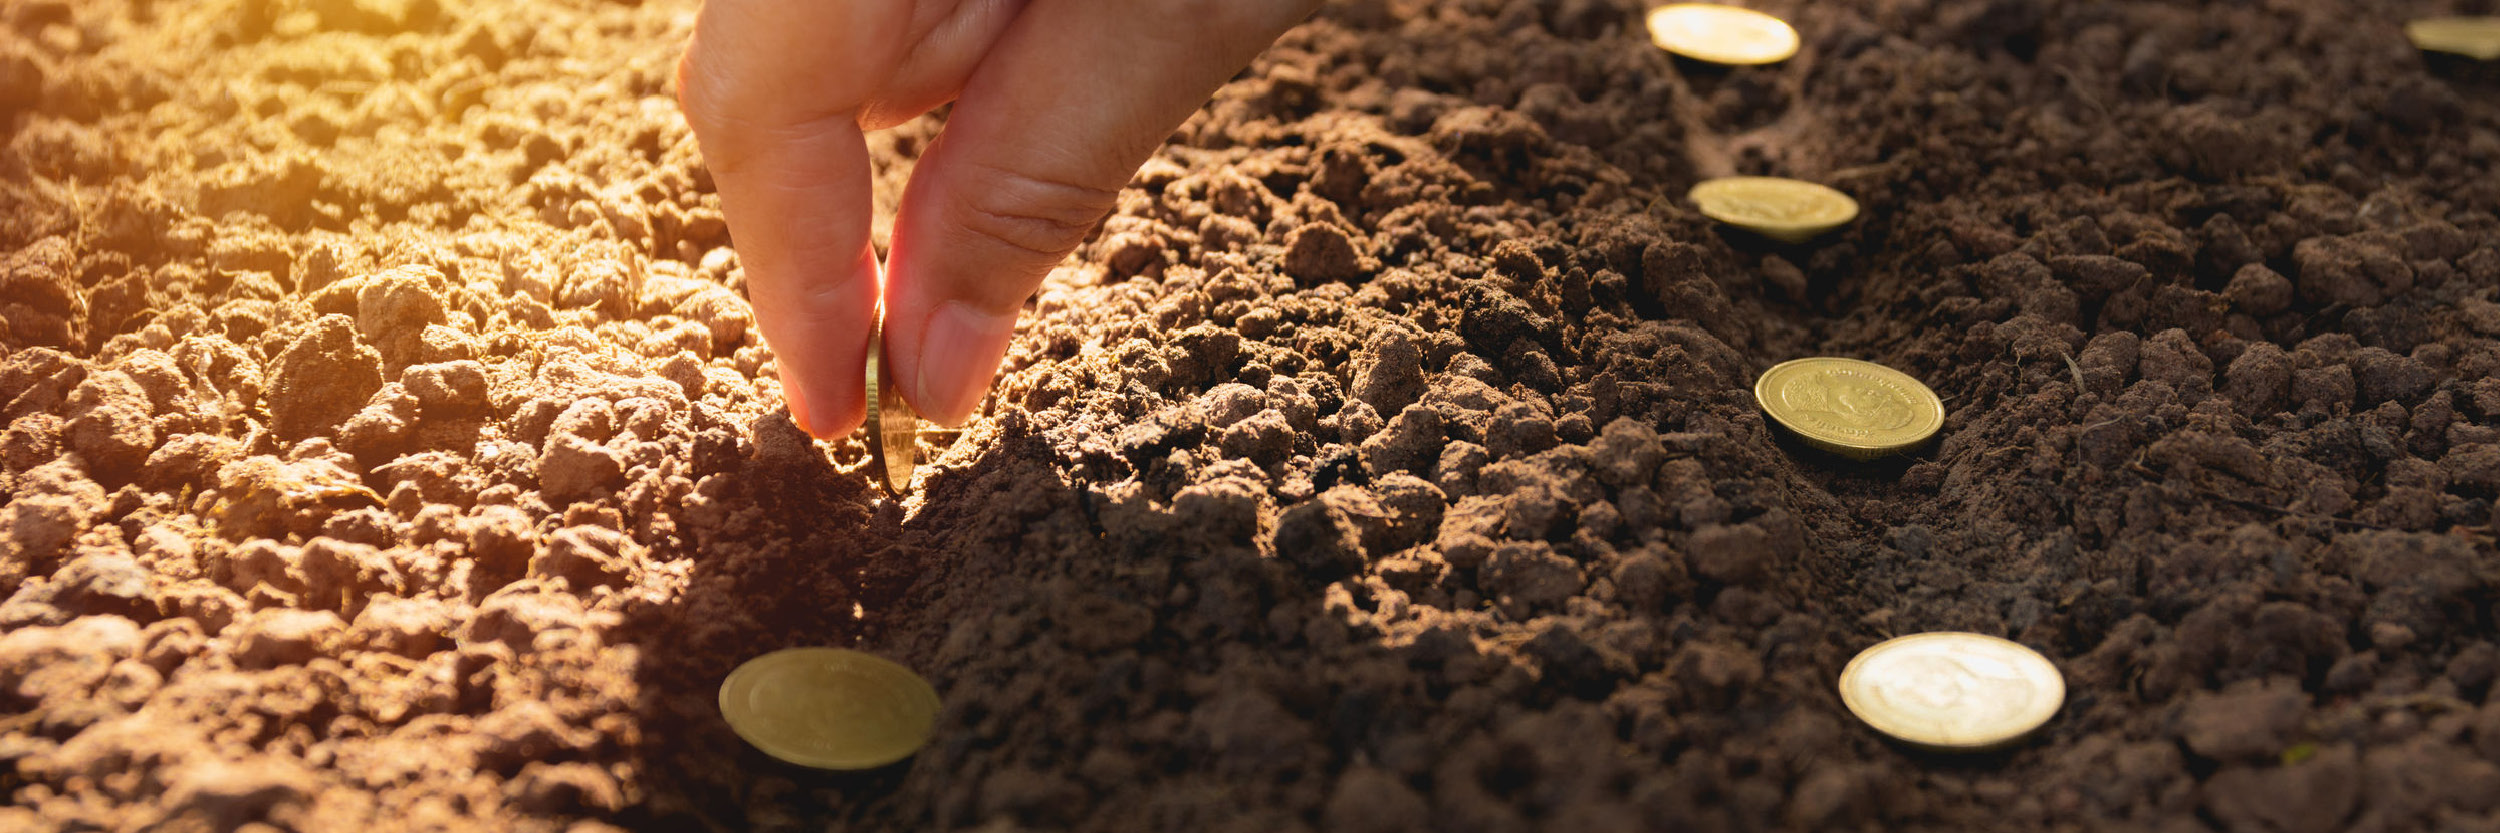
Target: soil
point(388, 444)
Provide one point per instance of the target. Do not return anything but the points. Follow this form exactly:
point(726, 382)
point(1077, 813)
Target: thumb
point(1064, 107)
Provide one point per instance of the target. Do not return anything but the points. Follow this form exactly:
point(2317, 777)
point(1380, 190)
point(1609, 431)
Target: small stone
point(564, 788)
point(321, 380)
point(1368, 799)
point(1739, 555)
point(447, 388)
point(394, 308)
point(2311, 796)
point(525, 731)
point(1321, 253)
point(37, 663)
point(1265, 438)
point(223, 795)
point(285, 637)
point(523, 614)
point(410, 628)
point(1320, 538)
point(2257, 290)
point(36, 527)
point(575, 469)
point(1527, 575)
point(2245, 723)
point(104, 583)
point(2259, 381)
point(588, 556)
point(1389, 371)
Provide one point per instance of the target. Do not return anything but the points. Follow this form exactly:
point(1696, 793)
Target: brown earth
point(388, 445)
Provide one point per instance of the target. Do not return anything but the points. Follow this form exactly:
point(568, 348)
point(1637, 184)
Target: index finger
point(773, 92)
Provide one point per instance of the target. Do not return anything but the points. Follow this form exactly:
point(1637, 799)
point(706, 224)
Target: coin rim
point(1795, 41)
point(1934, 419)
point(883, 416)
point(876, 361)
point(915, 687)
point(2484, 50)
point(2029, 724)
point(1784, 232)
point(901, 436)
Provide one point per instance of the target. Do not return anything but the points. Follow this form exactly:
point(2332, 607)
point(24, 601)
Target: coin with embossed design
point(1721, 34)
point(829, 708)
point(1952, 691)
point(893, 427)
point(1787, 210)
point(2473, 37)
point(1853, 408)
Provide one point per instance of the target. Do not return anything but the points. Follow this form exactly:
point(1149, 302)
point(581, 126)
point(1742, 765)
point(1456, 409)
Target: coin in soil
point(1952, 691)
point(1856, 409)
point(1787, 210)
point(1721, 34)
point(829, 708)
point(2473, 37)
point(894, 428)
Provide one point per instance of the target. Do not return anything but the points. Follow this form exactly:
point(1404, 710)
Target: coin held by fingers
point(894, 428)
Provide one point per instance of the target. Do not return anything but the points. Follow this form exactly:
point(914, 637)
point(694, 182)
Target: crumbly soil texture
point(389, 445)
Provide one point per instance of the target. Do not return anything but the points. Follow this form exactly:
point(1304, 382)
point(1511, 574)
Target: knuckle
point(1043, 215)
point(694, 93)
point(701, 97)
point(737, 133)
point(703, 88)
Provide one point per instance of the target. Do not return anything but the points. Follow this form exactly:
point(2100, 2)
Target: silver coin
point(1952, 691)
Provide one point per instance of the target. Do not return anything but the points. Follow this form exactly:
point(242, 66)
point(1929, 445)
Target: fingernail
point(959, 354)
point(793, 396)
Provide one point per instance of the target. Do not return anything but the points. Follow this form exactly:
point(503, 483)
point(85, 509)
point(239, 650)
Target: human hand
point(1057, 103)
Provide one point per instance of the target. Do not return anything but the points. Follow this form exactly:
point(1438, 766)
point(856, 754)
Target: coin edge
point(2414, 29)
point(875, 376)
point(1783, 232)
point(2056, 676)
point(1842, 447)
point(921, 689)
point(877, 385)
point(898, 482)
point(1796, 41)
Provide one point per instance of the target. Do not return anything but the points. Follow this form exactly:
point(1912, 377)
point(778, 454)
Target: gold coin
point(894, 429)
point(1721, 34)
point(1856, 409)
point(829, 708)
point(1952, 691)
point(2473, 37)
point(1787, 210)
